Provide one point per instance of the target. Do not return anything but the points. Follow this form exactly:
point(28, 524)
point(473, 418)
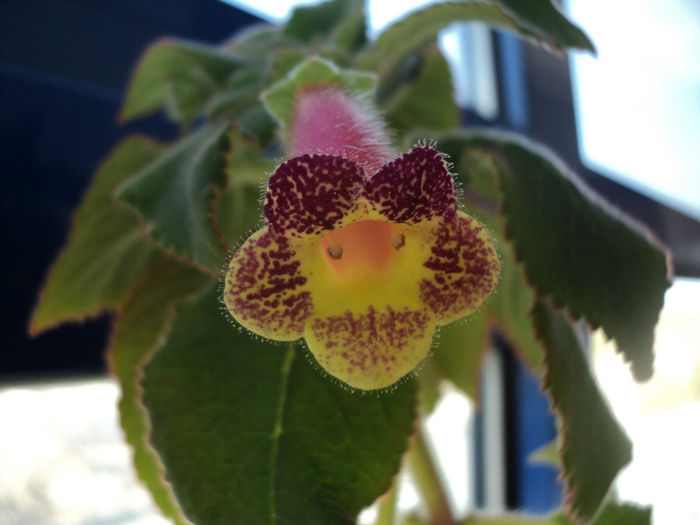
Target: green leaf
point(509, 306)
point(460, 349)
point(106, 249)
point(624, 514)
point(309, 23)
point(594, 446)
point(429, 379)
point(238, 208)
point(577, 249)
point(253, 433)
point(422, 26)
point(547, 454)
point(427, 101)
point(241, 91)
point(257, 123)
point(179, 76)
point(256, 41)
point(173, 195)
point(542, 17)
point(142, 324)
point(279, 99)
point(351, 34)
point(612, 514)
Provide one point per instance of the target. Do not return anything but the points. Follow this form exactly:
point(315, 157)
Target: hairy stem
point(428, 481)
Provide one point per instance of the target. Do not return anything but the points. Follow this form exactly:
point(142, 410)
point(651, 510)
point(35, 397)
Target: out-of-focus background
point(628, 121)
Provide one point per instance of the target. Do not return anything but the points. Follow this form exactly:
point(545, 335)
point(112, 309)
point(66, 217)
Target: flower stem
point(387, 507)
point(428, 481)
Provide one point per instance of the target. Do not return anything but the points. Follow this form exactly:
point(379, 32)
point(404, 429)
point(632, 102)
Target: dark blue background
point(64, 66)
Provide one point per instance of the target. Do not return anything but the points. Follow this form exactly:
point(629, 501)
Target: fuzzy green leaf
point(253, 433)
point(240, 92)
point(106, 250)
point(179, 76)
point(422, 26)
point(256, 42)
point(542, 17)
point(335, 17)
point(280, 98)
point(238, 210)
point(142, 324)
point(594, 446)
point(510, 308)
point(173, 195)
point(427, 101)
point(577, 249)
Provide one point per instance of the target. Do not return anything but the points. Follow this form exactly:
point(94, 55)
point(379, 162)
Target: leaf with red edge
point(250, 432)
point(106, 249)
point(179, 76)
point(594, 446)
point(174, 196)
point(140, 328)
point(576, 248)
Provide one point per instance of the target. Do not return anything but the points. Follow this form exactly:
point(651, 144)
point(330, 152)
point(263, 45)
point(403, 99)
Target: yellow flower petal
point(369, 326)
point(371, 349)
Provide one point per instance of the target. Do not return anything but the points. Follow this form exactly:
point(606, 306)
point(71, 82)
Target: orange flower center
point(364, 247)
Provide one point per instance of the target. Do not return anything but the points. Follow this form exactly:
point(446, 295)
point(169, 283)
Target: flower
point(364, 268)
point(361, 257)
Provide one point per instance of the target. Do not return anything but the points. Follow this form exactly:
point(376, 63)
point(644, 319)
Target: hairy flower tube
point(363, 266)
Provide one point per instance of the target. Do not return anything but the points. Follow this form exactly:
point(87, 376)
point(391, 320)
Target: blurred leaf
point(612, 514)
point(241, 91)
point(238, 209)
point(309, 23)
point(143, 322)
point(594, 446)
point(253, 433)
point(279, 99)
point(285, 61)
point(351, 34)
point(106, 249)
point(547, 454)
point(513, 519)
point(460, 350)
point(422, 26)
point(542, 17)
point(256, 41)
point(577, 249)
point(179, 76)
point(257, 123)
point(429, 379)
point(174, 196)
point(427, 101)
point(510, 307)
point(624, 514)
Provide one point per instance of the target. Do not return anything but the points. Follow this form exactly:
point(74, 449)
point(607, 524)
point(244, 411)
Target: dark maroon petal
point(310, 194)
point(413, 188)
